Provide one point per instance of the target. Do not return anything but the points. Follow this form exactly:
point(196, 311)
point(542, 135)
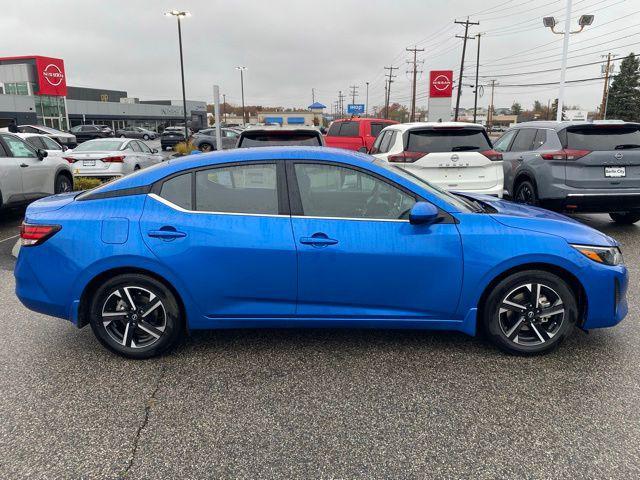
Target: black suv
point(89, 132)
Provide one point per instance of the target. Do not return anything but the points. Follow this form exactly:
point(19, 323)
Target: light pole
point(242, 69)
point(550, 22)
point(180, 14)
point(366, 113)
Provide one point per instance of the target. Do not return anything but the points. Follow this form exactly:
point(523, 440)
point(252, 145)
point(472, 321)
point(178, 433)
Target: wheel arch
point(520, 177)
point(92, 285)
point(573, 282)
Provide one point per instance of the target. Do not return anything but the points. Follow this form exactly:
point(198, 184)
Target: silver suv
point(574, 166)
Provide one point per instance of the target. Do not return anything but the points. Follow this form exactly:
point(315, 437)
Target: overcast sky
point(292, 46)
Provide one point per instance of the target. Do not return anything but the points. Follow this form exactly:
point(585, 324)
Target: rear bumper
point(595, 201)
point(495, 191)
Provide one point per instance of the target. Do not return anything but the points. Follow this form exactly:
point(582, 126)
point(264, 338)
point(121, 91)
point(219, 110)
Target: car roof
point(276, 128)
point(413, 125)
point(367, 119)
point(555, 125)
point(28, 135)
point(161, 170)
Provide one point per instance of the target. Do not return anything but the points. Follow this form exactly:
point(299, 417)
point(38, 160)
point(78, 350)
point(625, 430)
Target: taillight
point(566, 154)
point(36, 234)
point(406, 157)
point(115, 159)
point(492, 155)
point(70, 159)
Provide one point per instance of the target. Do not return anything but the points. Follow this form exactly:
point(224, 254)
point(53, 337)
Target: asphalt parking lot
point(317, 403)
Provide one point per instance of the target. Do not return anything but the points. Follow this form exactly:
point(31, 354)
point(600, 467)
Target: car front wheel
point(625, 218)
point(135, 316)
point(530, 312)
point(206, 147)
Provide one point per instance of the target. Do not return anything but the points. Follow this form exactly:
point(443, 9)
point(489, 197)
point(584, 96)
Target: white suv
point(27, 173)
point(455, 156)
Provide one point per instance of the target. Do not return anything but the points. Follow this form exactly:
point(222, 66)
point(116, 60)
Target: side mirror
point(423, 213)
point(363, 150)
point(64, 148)
point(42, 153)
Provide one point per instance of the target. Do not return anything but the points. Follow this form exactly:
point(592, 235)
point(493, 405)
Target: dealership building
point(33, 90)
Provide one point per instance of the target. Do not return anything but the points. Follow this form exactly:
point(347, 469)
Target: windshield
point(438, 192)
point(99, 146)
point(603, 137)
point(447, 140)
point(274, 139)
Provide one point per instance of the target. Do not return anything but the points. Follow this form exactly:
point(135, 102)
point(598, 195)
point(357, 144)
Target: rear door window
point(387, 141)
point(602, 138)
point(238, 189)
point(50, 144)
point(447, 140)
point(350, 129)
point(502, 144)
point(376, 128)
point(178, 191)
point(524, 140)
point(540, 139)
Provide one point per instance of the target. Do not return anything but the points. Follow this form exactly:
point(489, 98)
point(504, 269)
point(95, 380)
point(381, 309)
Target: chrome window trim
point(184, 210)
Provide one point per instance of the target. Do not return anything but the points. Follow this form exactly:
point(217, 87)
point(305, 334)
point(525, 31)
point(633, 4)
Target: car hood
point(526, 217)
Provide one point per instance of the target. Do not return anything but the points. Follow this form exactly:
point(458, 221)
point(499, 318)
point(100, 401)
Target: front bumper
point(606, 289)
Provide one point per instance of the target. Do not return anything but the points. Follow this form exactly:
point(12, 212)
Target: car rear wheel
point(525, 192)
point(135, 316)
point(206, 147)
point(625, 218)
point(145, 137)
point(63, 184)
point(530, 312)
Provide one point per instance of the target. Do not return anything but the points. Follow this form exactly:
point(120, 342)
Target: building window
point(18, 88)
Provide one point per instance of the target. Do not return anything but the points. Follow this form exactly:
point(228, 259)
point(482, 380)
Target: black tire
point(525, 192)
point(136, 168)
point(145, 137)
point(122, 136)
point(525, 331)
point(206, 147)
point(63, 183)
point(146, 331)
point(627, 218)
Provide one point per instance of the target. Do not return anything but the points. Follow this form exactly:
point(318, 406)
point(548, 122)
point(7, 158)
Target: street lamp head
point(177, 13)
point(549, 22)
point(241, 68)
point(585, 20)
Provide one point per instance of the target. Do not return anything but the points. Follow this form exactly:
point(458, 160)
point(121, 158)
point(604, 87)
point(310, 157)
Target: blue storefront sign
point(355, 108)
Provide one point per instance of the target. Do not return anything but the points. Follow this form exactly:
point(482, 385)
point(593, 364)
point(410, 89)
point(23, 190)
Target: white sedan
point(455, 156)
point(109, 158)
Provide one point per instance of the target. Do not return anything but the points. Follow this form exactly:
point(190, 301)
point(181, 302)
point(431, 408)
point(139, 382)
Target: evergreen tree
point(624, 95)
point(516, 108)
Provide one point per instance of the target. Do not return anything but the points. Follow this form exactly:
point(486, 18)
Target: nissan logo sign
point(441, 83)
point(618, 156)
point(53, 74)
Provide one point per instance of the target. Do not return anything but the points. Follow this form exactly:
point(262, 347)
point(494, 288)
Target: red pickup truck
point(354, 133)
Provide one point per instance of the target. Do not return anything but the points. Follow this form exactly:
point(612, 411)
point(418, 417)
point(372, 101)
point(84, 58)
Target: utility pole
point(313, 95)
point(366, 105)
point(466, 37)
point(354, 93)
point(341, 103)
point(244, 116)
point(605, 90)
point(390, 76)
point(490, 113)
point(415, 51)
point(475, 90)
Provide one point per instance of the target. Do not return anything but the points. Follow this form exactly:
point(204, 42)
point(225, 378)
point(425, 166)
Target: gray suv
point(574, 166)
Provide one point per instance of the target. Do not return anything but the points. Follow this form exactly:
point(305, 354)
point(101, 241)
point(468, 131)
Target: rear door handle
point(319, 241)
point(24, 165)
point(166, 234)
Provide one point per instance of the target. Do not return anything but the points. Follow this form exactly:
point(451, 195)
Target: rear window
point(275, 139)
point(345, 129)
point(603, 138)
point(447, 140)
point(99, 146)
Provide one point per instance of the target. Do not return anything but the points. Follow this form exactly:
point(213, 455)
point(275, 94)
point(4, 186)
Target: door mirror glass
point(42, 153)
point(155, 150)
point(423, 213)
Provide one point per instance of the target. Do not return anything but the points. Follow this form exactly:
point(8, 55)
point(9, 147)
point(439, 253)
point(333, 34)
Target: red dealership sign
point(50, 74)
point(51, 77)
point(440, 83)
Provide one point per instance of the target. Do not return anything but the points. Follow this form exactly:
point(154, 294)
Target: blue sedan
point(309, 237)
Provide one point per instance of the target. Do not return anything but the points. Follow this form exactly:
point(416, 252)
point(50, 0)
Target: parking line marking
point(10, 238)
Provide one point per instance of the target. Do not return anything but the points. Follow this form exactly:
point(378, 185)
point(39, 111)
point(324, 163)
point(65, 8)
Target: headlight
point(605, 255)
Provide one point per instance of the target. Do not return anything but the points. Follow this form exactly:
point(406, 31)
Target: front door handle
point(166, 233)
point(24, 165)
point(318, 240)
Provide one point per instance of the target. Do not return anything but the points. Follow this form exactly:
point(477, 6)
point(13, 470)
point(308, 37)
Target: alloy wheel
point(63, 184)
point(531, 314)
point(134, 317)
point(525, 194)
point(205, 147)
